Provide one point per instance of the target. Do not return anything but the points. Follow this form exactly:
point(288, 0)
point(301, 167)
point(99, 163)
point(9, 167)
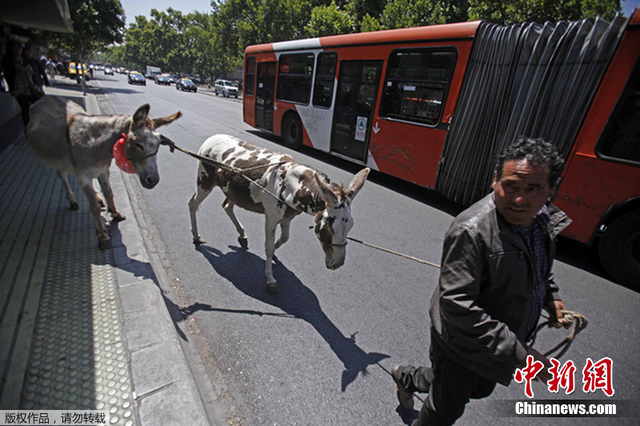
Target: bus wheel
point(292, 131)
point(620, 249)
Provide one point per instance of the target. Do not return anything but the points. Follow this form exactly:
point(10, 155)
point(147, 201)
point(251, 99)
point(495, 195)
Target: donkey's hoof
point(272, 288)
point(104, 244)
point(199, 240)
point(118, 217)
point(244, 242)
point(73, 205)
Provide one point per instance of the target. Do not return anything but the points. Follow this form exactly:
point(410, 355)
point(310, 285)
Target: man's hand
point(555, 308)
point(544, 375)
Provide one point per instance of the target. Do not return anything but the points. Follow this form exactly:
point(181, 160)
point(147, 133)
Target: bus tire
point(619, 249)
point(292, 131)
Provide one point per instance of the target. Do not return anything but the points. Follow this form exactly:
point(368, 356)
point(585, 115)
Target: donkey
point(282, 190)
point(69, 140)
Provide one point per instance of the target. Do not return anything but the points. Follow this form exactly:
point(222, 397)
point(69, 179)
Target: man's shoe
point(404, 396)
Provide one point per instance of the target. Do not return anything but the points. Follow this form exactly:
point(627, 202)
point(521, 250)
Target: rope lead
point(579, 322)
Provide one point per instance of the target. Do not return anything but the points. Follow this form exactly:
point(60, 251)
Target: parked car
point(135, 77)
point(163, 79)
point(186, 84)
point(226, 88)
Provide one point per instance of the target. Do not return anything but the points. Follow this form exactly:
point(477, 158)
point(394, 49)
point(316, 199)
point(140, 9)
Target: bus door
point(265, 90)
point(357, 91)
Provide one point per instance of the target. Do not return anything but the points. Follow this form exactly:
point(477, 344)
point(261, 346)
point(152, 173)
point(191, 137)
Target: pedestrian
point(50, 68)
point(39, 75)
point(495, 279)
point(19, 77)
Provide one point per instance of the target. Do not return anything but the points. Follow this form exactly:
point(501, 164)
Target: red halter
point(121, 159)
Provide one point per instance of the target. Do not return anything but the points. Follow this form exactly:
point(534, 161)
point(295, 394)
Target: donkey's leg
point(103, 179)
point(94, 207)
point(194, 202)
point(71, 197)
point(284, 233)
point(228, 208)
point(99, 198)
point(269, 248)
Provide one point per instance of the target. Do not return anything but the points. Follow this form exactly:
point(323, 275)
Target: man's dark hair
point(535, 151)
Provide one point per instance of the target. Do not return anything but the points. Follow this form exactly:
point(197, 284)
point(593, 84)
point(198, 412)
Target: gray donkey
point(69, 140)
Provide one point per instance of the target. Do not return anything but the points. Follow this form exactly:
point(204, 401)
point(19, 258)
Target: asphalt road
point(320, 351)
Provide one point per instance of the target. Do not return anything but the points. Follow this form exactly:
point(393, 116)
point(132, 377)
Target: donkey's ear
point(357, 183)
point(158, 122)
point(140, 116)
point(326, 193)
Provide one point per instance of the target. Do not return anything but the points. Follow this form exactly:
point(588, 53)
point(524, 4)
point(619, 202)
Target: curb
point(171, 386)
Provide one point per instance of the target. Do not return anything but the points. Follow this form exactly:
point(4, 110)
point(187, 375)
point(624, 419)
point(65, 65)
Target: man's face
point(521, 191)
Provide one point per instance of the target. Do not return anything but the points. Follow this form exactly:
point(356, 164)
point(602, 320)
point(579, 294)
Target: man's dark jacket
point(480, 309)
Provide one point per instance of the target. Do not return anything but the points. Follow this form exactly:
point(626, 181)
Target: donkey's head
point(142, 144)
point(335, 221)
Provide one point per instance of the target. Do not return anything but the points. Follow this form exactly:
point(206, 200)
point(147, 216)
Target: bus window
point(294, 77)
point(249, 80)
point(619, 141)
point(416, 84)
point(325, 77)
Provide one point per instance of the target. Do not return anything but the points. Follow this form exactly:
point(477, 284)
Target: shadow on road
point(142, 270)
point(245, 271)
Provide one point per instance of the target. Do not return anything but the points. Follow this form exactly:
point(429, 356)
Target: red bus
point(435, 105)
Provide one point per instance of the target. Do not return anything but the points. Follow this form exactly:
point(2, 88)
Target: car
point(108, 71)
point(226, 88)
point(135, 77)
point(73, 70)
point(122, 70)
point(186, 84)
point(163, 79)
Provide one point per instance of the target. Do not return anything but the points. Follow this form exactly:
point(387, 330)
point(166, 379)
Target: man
point(39, 75)
point(495, 280)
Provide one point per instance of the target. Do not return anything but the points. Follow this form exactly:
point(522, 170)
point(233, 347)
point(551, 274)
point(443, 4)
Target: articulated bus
point(435, 105)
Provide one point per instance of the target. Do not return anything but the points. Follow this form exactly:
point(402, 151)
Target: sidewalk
point(81, 328)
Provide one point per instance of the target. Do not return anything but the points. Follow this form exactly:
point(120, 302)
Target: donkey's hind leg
point(71, 197)
point(228, 208)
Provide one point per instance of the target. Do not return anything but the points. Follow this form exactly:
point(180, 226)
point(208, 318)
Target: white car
point(226, 88)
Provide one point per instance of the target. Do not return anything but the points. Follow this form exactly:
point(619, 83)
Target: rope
point(406, 256)
point(579, 322)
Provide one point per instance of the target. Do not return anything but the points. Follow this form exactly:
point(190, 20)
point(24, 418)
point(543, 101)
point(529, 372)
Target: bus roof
point(462, 30)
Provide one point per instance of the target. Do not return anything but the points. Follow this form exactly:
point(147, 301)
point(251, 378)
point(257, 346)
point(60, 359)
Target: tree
point(96, 25)
point(360, 9)
point(329, 20)
point(413, 13)
point(516, 11)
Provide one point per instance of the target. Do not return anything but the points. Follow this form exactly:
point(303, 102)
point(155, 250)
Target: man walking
point(495, 280)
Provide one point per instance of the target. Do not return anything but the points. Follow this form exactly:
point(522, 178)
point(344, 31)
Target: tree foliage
point(212, 44)
point(516, 11)
point(96, 24)
point(329, 20)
